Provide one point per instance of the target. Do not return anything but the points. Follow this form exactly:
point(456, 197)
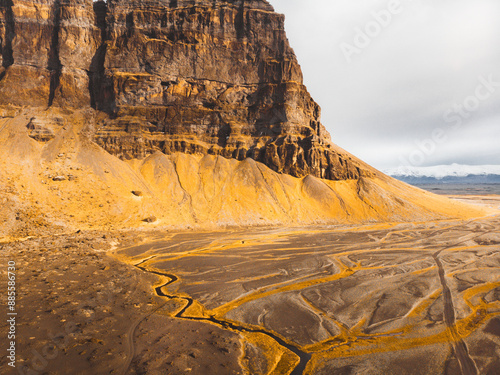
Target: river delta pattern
point(419, 298)
point(408, 298)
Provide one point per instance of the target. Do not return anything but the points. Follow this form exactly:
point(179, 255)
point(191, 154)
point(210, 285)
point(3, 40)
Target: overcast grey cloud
point(385, 101)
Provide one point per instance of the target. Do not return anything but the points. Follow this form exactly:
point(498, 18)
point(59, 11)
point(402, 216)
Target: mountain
point(181, 113)
point(205, 77)
point(454, 173)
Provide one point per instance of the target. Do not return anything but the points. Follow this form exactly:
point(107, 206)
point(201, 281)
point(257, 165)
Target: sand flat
point(347, 292)
point(406, 298)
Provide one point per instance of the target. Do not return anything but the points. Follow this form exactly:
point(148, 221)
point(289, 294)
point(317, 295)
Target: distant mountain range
point(447, 174)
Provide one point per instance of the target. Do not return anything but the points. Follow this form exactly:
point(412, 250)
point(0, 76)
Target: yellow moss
point(424, 304)
point(478, 290)
point(273, 289)
point(424, 270)
point(195, 190)
point(359, 346)
point(196, 310)
point(280, 361)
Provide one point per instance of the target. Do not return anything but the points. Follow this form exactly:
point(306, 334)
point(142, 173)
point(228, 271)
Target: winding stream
point(228, 325)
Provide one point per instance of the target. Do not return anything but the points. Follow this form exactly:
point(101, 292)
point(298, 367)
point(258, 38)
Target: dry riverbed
point(412, 298)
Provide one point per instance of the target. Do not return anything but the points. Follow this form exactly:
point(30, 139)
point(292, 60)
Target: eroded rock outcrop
point(47, 49)
point(193, 76)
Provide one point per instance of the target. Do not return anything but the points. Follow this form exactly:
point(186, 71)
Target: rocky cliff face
point(192, 76)
point(47, 50)
point(204, 104)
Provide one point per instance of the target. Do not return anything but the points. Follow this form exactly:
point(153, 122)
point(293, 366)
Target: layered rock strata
point(47, 51)
point(193, 76)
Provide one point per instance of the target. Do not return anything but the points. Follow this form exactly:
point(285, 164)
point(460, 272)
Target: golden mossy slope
point(71, 182)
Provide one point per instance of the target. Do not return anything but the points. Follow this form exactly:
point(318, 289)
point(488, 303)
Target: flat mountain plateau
point(407, 298)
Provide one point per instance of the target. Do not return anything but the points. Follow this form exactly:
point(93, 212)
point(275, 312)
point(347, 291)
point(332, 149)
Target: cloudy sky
point(403, 82)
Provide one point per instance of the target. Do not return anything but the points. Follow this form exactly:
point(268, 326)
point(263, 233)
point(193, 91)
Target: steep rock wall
point(197, 77)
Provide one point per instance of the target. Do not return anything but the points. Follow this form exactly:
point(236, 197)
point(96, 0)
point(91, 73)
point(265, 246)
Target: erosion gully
point(467, 364)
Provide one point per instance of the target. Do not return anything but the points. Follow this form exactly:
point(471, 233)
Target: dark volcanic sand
point(78, 307)
point(417, 298)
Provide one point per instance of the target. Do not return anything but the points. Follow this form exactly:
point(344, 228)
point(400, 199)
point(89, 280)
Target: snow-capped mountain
point(454, 173)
